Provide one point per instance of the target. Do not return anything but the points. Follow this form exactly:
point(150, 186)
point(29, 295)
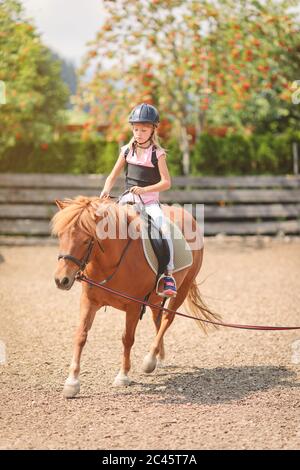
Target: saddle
point(156, 249)
point(182, 252)
point(158, 243)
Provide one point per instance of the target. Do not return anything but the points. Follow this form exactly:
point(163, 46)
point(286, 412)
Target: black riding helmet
point(144, 113)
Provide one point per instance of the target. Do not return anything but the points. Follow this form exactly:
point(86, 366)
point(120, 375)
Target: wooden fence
point(232, 205)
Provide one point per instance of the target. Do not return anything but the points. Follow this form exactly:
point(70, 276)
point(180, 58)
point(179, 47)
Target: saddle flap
point(182, 252)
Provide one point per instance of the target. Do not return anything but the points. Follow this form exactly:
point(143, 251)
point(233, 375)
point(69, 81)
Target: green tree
point(199, 62)
point(68, 74)
point(35, 90)
point(256, 64)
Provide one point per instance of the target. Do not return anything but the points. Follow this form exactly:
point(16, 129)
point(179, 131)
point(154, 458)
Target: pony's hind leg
point(132, 318)
point(87, 315)
point(150, 360)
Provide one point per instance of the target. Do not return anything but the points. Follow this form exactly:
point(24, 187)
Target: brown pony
point(76, 226)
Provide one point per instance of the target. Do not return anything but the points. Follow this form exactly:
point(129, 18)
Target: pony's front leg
point(157, 316)
point(87, 315)
point(132, 318)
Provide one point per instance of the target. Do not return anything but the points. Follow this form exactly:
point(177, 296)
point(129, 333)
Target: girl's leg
point(162, 222)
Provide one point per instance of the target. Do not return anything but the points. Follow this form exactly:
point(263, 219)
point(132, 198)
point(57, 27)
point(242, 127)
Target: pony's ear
point(60, 204)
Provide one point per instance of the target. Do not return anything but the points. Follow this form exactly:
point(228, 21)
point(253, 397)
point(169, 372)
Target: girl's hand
point(137, 190)
point(104, 194)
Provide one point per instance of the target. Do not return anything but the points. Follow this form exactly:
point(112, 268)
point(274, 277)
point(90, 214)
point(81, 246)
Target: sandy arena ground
point(233, 389)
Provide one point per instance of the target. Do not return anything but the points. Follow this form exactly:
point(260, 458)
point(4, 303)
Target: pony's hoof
point(149, 363)
point(161, 363)
point(121, 380)
point(71, 388)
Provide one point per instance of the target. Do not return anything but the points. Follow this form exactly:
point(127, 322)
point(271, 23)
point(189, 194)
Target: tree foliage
point(223, 62)
point(34, 88)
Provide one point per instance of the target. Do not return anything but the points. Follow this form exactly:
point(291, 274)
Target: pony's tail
point(200, 310)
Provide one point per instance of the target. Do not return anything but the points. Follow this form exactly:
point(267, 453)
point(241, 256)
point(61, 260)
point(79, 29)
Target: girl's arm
point(115, 172)
point(165, 181)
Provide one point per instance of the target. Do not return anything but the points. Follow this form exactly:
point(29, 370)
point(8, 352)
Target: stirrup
point(157, 284)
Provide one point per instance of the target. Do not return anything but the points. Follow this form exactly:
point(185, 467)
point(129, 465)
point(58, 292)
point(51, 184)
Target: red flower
point(246, 85)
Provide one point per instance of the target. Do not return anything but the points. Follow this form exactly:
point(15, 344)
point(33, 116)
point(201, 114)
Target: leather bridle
point(81, 263)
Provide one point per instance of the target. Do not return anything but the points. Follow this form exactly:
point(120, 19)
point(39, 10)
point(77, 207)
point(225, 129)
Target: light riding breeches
point(160, 220)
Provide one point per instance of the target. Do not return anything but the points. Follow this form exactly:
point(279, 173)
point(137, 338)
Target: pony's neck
point(104, 262)
point(112, 251)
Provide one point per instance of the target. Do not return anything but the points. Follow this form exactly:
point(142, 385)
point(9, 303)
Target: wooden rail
point(232, 205)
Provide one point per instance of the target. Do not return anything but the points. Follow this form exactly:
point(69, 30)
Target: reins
point(82, 277)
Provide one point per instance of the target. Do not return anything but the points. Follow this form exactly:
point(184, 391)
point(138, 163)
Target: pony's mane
point(81, 212)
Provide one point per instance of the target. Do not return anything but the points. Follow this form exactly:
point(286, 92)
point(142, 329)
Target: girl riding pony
point(146, 175)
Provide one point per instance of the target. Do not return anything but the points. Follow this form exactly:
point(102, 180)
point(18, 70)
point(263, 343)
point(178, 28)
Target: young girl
point(146, 175)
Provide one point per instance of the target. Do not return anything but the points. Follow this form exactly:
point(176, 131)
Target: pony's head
point(75, 225)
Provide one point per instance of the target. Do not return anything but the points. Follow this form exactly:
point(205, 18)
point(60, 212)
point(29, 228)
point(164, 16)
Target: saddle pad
point(183, 256)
